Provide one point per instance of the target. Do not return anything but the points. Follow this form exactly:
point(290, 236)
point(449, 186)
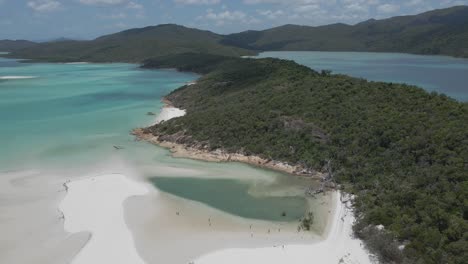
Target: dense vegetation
point(188, 62)
point(442, 31)
point(133, 45)
point(12, 45)
point(401, 150)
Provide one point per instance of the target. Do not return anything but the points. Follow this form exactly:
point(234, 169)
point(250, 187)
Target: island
point(396, 152)
point(400, 150)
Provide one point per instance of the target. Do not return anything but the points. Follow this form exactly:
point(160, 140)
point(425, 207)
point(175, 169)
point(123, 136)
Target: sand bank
point(339, 246)
point(16, 77)
point(95, 205)
point(168, 112)
point(169, 229)
point(233, 240)
point(31, 227)
point(184, 151)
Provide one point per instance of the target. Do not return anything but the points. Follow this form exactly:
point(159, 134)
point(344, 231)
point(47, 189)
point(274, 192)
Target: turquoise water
point(233, 197)
point(66, 119)
point(75, 112)
point(434, 73)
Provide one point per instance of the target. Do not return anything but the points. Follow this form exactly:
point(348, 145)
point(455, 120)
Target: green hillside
point(443, 31)
point(401, 150)
point(13, 45)
point(134, 45)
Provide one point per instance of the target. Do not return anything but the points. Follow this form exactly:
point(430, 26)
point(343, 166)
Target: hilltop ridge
point(437, 32)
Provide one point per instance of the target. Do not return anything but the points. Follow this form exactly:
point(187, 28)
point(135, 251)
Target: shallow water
point(434, 73)
point(69, 118)
point(75, 113)
point(233, 197)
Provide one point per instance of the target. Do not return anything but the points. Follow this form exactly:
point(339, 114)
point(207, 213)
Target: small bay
point(233, 197)
point(69, 119)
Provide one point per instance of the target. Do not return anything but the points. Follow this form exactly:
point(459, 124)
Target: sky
point(86, 19)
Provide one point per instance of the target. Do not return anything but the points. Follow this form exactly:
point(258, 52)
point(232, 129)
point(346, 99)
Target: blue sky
point(86, 19)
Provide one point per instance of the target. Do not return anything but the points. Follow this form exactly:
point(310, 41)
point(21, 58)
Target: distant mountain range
point(133, 45)
point(12, 45)
point(443, 31)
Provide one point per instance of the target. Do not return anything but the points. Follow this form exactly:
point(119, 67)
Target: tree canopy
point(401, 150)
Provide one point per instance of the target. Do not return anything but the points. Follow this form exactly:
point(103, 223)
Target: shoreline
point(179, 150)
point(337, 243)
point(184, 151)
point(95, 206)
point(168, 111)
point(337, 246)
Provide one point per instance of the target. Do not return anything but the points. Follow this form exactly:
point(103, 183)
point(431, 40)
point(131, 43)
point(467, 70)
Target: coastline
point(142, 221)
point(168, 111)
point(31, 221)
point(95, 205)
point(337, 246)
point(184, 151)
point(180, 150)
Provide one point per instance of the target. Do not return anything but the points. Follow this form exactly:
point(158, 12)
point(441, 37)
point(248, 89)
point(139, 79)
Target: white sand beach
point(338, 246)
point(105, 214)
point(31, 226)
point(168, 112)
point(217, 237)
point(95, 205)
point(16, 77)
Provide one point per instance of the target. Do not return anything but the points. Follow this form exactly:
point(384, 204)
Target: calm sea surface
point(434, 73)
point(66, 119)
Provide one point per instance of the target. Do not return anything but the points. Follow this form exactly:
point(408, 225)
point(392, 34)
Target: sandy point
point(95, 205)
point(338, 246)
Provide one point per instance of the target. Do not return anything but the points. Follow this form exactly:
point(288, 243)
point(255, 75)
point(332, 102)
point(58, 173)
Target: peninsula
point(397, 148)
point(436, 32)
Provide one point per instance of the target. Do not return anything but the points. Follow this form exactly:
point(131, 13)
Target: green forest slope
point(401, 150)
point(12, 45)
point(133, 45)
point(443, 31)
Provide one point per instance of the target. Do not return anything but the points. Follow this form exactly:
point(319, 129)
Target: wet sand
point(30, 222)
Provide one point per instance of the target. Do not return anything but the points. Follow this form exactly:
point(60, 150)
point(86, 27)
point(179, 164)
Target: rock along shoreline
point(181, 150)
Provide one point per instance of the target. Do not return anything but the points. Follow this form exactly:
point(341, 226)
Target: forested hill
point(12, 45)
point(133, 45)
point(401, 150)
point(443, 31)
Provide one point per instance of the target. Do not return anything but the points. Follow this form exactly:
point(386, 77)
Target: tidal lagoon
point(65, 122)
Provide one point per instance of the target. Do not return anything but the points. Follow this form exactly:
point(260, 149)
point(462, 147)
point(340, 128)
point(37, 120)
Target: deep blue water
point(443, 74)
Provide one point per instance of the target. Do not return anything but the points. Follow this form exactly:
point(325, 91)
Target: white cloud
point(120, 15)
point(271, 14)
point(102, 2)
point(228, 17)
point(388, 8)
point(414, 2)
point(197, 2)
point(307, 8)
point(133, 5)
point(263, 2)
point(445, 3)
point(44, 5)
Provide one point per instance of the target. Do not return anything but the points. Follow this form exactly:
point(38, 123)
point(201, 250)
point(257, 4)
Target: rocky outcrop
point(182, 145)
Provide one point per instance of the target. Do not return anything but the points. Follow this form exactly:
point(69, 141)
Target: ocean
point(442, 74)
